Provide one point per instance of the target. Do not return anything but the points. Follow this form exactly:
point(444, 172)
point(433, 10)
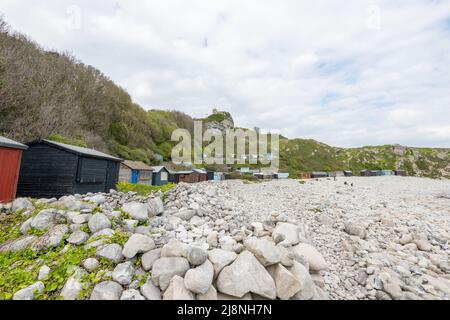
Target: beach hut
point(160, 176)
point(319, 174)
point(52, 169)
point(201, 175)
point(10, 158)
point(186, 176)
point(387, 173)
point(282, 175)
point(401, 173)
point(348, 173)
point(304, 175)
point(135, 172)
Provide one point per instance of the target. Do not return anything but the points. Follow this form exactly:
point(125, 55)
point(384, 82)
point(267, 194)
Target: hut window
point(145, 175)
point(164, 176)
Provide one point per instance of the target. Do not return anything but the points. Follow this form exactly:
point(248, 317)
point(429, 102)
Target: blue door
point(134, 176)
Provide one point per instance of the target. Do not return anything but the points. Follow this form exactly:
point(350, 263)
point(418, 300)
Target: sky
point(346, 73)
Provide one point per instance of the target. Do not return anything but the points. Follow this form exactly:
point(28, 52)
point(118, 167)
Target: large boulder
point(123, 273)
point(287, 284)
point(137, 210)
point(156, 207)
point(150, 291)
point(99, 222)
point(165, 269)
point(308, 288)
point(28, 293)
point(18, 244)
point(175, 248)
point(21, 204)
point(286, 234)
point(149, 258)
point(73, 285)
point(43, 220)
point(264, 250)
point(177, 290)
point(138, 243)
point(51, 239)
point(246, 275)
point(199, 280)
point(107, 290)
point(111, 252)
point(313, 257)
point(220, 259)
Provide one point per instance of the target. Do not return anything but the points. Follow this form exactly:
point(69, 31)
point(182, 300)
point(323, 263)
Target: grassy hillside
point(52, 95)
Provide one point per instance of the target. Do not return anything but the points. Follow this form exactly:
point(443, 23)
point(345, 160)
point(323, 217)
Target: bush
point(143, 189)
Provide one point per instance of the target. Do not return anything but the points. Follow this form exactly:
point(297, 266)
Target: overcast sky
point(347, 73)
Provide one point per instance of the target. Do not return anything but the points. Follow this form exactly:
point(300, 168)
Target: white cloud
point(345, 73)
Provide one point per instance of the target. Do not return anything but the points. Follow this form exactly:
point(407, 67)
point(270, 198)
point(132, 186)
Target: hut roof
point(8, 143)
point(77, 150)
point(158, 168)
point(201, 171)
point(137, 165)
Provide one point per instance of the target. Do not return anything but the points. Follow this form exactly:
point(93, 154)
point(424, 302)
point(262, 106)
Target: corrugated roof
point(8, 143)
point(137, 165)
point(78, 150)
point(201, 171)
point(181, 172)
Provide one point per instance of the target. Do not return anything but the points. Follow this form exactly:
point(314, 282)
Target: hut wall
point(9, 173)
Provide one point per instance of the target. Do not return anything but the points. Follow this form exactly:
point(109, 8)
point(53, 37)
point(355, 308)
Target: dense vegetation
point(53, 95)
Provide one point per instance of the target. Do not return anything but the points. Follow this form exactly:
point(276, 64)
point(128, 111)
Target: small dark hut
point(135, 172)
point(160, 176)
point(348, 173)
point(10, 157)
point(52, 169)
point(318, 174)
point(401, 173)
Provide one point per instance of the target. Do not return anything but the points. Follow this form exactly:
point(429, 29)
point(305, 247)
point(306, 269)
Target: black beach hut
point(53, 169)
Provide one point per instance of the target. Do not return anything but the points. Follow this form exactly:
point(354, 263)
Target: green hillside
point(53, 95)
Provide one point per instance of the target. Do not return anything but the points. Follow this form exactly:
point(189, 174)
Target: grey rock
point(26, 226)
point(28, 293)
point(51, 239)
point(91, 264)
point(286, 234)
point(210, 295)
point(43, 220)
point(131, 294)
point(73, 285)
point(177, 290)
point(111, 252)
point(264, 250)
point(246, 275)
point(199, 280)
point(98, 199)
point(307, 286)
point(149, 258)
point(78, 238)
point(123, 273)
point(313, 257)
point(18, 244)
point(107, 290)
point(44, 271)
point(81, 218)
point(21, 204)
point(156, 207)
point(355, 229)
point(197, 256)
point(286, 283)
point(150, 291)
point(220, 259)
point(99, 222)
point(175, 248)
point(137, 210)
point(137, 243)
point(185, 215)
point(164, 269)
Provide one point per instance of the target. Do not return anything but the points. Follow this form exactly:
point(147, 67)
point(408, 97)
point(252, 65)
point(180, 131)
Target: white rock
point(44, 271)
point(91, 264)
point(175, 248)
point(21, 204)
point(43, 220)
point(308, 288)
point(264, 250)
point(28, 293)
point(137, 210)
point(99, 222)
point(246, 275)
point(137, 243)
point(286, 234)
point(220, 259)
point(210, 295)
point(123, 273)
point(313, 257)
point(73, 286)
point(150, 291)
point(199, 280)
point(107, 290)
point(78, 238)
point(131, 294)
point(112, 252)
point(156, 207)
point(197, 256)
point(177, 290)
point(212, 239)
point(149, 258)
point(287, 284)
point(165, 269)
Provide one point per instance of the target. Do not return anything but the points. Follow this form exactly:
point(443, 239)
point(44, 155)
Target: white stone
point(177, 290)
point(137, 243)
point(199, 280)
point(313, 257)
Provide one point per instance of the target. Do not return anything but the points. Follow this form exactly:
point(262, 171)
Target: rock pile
point(230, 240)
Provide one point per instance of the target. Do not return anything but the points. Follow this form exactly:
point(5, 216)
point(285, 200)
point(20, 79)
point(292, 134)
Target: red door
point(9, 173)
